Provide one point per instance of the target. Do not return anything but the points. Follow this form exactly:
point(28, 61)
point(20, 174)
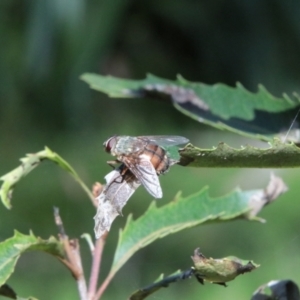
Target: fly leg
point(112, 163)
point(124, 175)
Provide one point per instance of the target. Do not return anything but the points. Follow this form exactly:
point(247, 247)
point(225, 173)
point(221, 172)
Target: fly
point(145, 156)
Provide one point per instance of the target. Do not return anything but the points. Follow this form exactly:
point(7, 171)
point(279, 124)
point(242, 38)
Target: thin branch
point(163, 283)
point(76, 260)
point(97, 250)
point(95, 271)
point(59, 223)
point(104, 285)
point(73, 259)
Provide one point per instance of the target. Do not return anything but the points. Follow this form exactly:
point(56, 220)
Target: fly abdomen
point(157, 157)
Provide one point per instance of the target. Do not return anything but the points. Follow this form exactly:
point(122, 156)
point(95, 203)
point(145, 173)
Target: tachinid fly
point(145, 157)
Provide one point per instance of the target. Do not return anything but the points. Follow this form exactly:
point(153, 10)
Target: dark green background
point(46, 45)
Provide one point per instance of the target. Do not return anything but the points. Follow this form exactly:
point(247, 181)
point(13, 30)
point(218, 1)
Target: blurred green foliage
point(45, 47)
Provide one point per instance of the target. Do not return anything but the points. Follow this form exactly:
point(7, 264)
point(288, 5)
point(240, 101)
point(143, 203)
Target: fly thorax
point(127, 145)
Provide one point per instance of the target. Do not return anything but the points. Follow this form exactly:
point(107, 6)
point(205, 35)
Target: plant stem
point(95, 271)
point(73, 259)
point(104, 286)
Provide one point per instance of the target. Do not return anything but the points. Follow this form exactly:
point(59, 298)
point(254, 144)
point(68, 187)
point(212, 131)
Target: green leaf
point(217, 271)
point(172, 152)
point(12, 248)
point(30, 162)
point(277, 155)
point(257, 115)
point(186, 212)
point(220, 270)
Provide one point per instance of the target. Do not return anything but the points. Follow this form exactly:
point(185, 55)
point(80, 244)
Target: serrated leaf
point(220, 270)
point(12, 248)
point(186, 212)
point(257, 115)
point(276, 155)
point(30, 162)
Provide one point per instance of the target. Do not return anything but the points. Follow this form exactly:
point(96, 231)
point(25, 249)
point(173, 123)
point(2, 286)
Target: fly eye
point(109, 144)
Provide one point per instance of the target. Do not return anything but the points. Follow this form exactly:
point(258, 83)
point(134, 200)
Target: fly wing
point(144, 171)
point(120, 185)
point(167, 140)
